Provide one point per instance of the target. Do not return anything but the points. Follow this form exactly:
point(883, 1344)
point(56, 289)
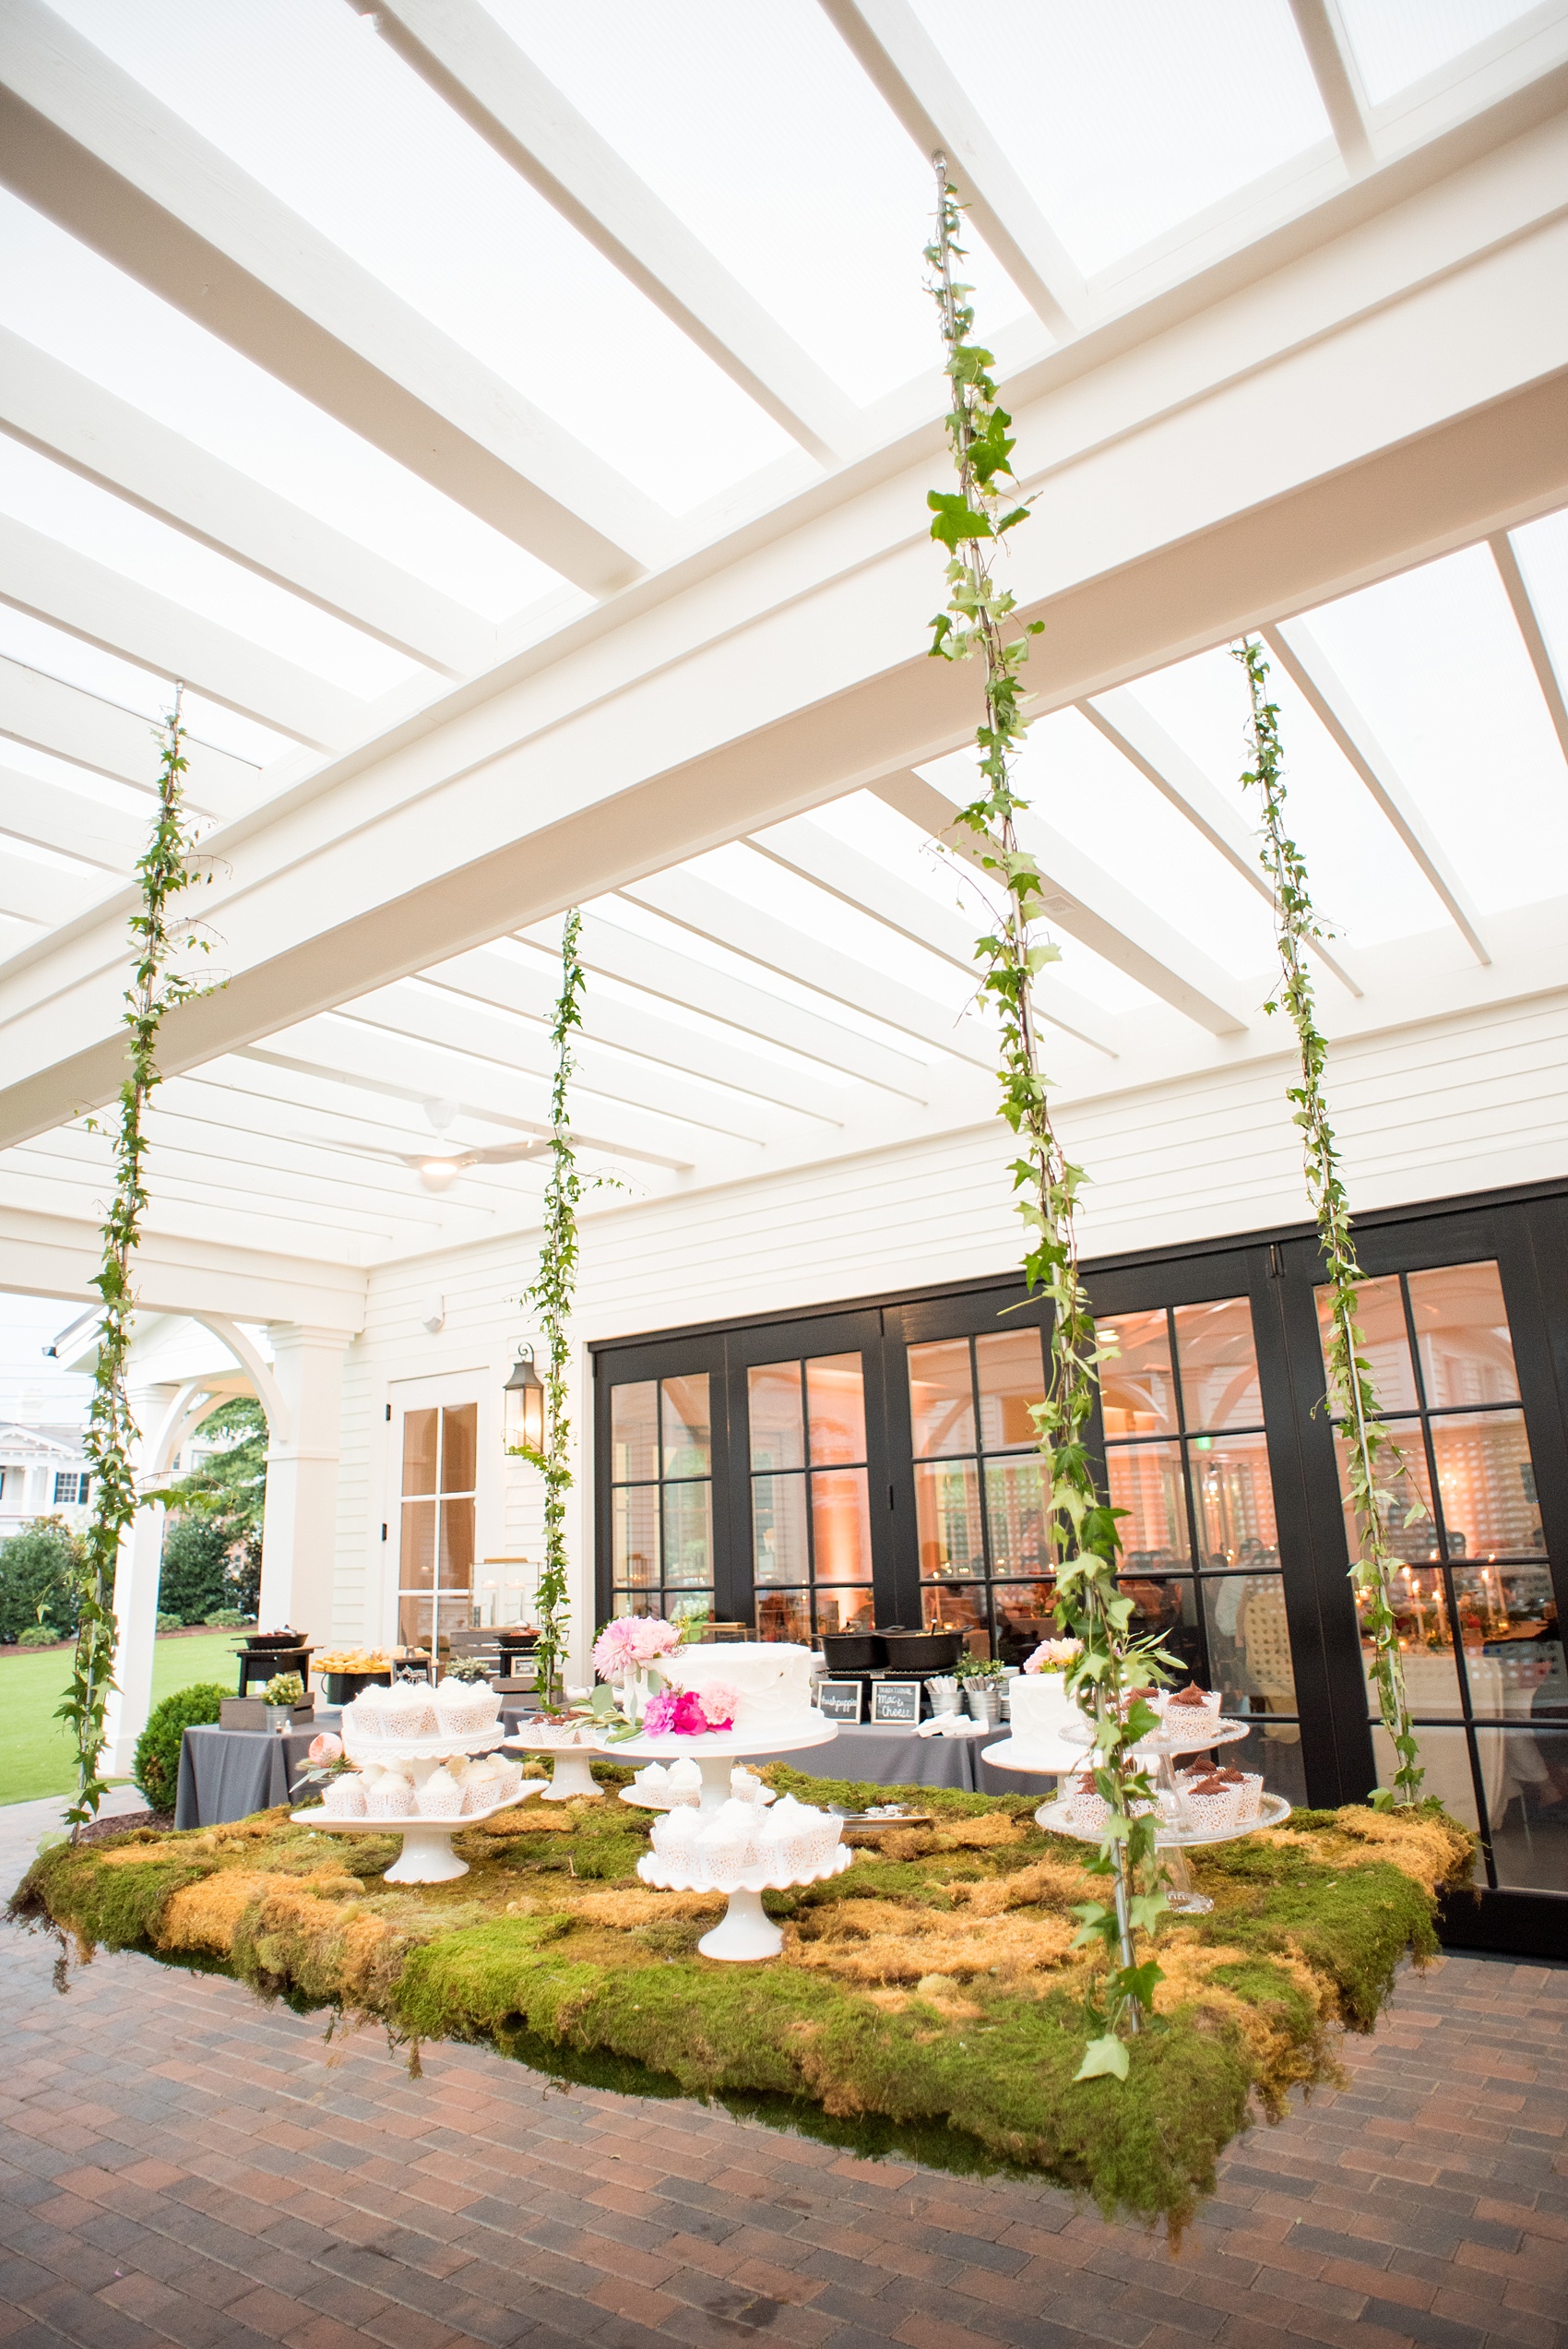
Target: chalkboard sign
point(839, 1700)
point(897, 1701)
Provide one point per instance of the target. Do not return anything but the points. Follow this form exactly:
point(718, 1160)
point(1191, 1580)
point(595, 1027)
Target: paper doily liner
point(662, 1877)
point(432, 1748)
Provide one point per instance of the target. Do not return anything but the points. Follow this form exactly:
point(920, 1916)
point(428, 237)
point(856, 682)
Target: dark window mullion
point(1188, 1499)
point(988, 1555)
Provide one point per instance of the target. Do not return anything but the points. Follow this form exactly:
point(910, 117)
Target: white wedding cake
point(771, 1677)
point(1039, 1708)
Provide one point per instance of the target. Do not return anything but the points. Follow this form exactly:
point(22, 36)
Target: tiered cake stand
point(427, 1856)
point(571, 1774)
point(746, 1932)
point(1176, 1833)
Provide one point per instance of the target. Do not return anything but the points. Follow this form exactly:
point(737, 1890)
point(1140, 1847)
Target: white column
point(136, 1570)
point(300, 1541)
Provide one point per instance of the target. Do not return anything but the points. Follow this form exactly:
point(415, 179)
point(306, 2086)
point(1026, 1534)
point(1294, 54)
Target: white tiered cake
point(772, 1677)
point(1039, 1708)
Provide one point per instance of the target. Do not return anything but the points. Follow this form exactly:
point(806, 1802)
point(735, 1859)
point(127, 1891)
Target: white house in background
point(44, 1472)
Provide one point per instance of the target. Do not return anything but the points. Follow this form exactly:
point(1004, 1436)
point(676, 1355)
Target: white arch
point(268, 1393)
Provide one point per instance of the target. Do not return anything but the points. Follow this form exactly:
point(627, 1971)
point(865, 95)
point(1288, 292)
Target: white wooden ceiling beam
point(104, 607)
point(1529, 619)
point(42, 893)
point(712, 912)
point(458, 48)
point(1333, 61)
point(57, 1162)
point(90, 147)
point(1122, 717)
point(87, 731)
point(75, 825)
point(1092, 907)
point(805, 848)
point(498, 981)
point(899, 55)
point(68, 417)
point(661, 972)
point(1305, 662)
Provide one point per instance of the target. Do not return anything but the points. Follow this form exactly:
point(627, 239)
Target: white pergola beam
point(660, 972)
point(1305, 662)
point(1528, 620)
point(1092, 907)
point(458, 48)
point(42, 893)
point(1122, 717)
point(33, 810)
point(105, 608)
point(67, 416)
point(121, 744)
point(1333, 68)
point(90, 147)
point(897, 55)
point(805, 848)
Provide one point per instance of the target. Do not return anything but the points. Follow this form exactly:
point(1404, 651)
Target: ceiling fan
point(437, 1168)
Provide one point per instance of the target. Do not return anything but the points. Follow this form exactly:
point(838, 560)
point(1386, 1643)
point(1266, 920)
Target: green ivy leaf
point(1103, 2059)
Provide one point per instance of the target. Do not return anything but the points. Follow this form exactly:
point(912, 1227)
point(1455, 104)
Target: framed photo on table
point(839, 1700)
point(896, 1704)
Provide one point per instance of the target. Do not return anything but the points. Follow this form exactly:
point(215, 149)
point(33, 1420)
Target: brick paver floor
point(181, 2163)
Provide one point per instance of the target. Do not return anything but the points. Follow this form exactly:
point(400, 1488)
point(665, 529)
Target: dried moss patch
point(929, 1998)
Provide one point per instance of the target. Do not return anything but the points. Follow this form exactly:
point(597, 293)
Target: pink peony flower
point(326, 1748)
point(718, 1701)
point(675, 1713)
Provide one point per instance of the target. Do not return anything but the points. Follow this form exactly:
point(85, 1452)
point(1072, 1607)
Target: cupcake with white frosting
point(343, 1797)
point(391, 1796)
point(466, 1708)
point(441, 1796)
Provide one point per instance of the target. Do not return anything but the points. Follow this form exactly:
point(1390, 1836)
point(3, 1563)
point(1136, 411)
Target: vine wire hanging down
point(164, 872)
point(1371, 1453)
point(970, 522)
point(551, 1297)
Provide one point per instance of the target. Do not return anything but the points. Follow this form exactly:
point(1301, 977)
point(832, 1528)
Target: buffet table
point(229, 1773)
point(881, 1757)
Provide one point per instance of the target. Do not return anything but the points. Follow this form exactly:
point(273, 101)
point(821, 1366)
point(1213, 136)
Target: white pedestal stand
point(427, 1856)
point(570, 1774)
point(715, 1754)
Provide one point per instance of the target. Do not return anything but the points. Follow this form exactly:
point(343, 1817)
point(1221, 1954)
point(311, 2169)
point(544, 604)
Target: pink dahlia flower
point(630, 1640)
point(718, 1701)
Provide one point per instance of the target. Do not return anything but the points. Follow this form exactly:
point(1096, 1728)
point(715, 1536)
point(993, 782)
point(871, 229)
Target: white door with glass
point(432, 1526)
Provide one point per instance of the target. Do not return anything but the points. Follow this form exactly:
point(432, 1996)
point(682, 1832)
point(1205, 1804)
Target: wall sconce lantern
point(524, 1400)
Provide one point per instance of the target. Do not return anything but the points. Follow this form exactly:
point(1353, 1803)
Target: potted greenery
point(980, 1680)
point(284, 1696)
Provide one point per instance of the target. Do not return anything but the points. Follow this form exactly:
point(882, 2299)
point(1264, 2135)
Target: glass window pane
point(1402, 1485)
point(1445, 1756)
point(638, 1602)
point(947, 1522)
point(1274, 1749)
point(1137, 1390)
point(1220, 1364)
point(682, 1606)
point(460, 1447)
point(688, 1536)
point(842, 1526)
point(457, 1544)
point(785, 1614)
point(1462, 1335)
point(416, 1620)
point(940, 1400)
point(836, 1408)
point(1146, 1480)
point(953, 1606)
point(688, 1435)
point(844, 1610)
point(419, 1450)
point(454, 1614)
point(416, 1556)
point(1524, 1772)
point(1167, 1604)
point(775, 1409)
point(634, 1511)
point(1431, 1680)
point(1011, 1373)
point(1511, 1612)
point(779, 1529)
point(1235, 1502)
point(1014, 1502)
point(1380, 1317)
point(1486, 1484)
point(634, 1431)
point(1249, 1646)
point(1023, 1618)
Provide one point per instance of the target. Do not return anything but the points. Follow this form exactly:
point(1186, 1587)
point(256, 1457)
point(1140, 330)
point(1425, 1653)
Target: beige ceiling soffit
point(1528, 620)
point(105, 608)
point(1085, 901)
point(1333, 63)
point(460, 50)
point(805, 848)
point(105, 739)
point(898, 56)
point(67, 416)
point(1122, 717)
point(1305, 662)
point(88, 146)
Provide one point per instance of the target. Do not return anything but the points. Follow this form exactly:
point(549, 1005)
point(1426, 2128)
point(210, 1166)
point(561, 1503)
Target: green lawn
point(35, 1749)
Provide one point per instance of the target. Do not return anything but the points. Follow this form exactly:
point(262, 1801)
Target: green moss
point(107, 1908)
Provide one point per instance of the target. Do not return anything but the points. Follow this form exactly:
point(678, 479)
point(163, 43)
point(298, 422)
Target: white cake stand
point(427, 1856)
point(571, 1775)
point(745, 1932)
point(714, 1754)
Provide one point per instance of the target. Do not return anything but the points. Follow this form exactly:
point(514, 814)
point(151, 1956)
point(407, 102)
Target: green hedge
point(157, 1766)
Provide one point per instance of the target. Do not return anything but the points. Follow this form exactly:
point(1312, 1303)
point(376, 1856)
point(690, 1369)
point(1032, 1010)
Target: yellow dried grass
point(874, 1941)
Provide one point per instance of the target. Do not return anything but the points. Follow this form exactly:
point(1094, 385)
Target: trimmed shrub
point(38, 1635)
point(38, 1582)
point(157, 1766)
point(226, 1619)
point(196, 1569)
point(170, 1623)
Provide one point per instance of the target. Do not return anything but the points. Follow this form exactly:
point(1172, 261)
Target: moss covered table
point(929, 1998)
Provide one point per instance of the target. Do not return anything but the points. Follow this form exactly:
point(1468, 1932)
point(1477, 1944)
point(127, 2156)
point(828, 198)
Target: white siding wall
point(1457, 1104)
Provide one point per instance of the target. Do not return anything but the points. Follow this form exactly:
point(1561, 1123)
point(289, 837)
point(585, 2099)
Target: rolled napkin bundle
point(391, 1795)
point(466, 1708)
point(441, 1796)
point(343, 1797)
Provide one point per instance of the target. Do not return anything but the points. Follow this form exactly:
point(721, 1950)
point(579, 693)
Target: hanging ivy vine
point(971, 522)
point(164, 872)
point(550, 1296)
point(1372, 1459)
